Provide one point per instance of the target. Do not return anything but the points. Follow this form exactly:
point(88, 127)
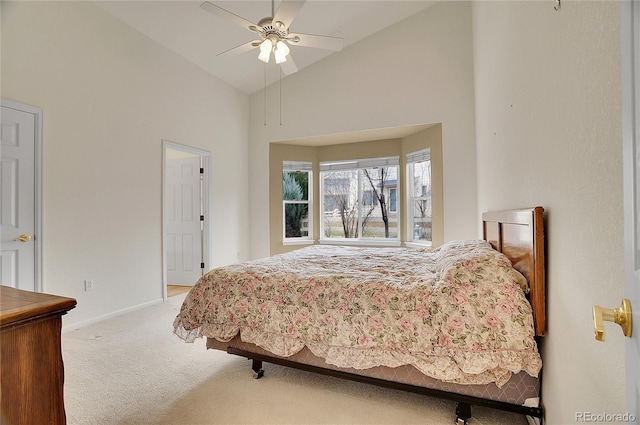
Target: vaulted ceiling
point(198, 36)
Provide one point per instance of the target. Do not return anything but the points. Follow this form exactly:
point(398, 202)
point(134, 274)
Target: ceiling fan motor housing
point(268, 29)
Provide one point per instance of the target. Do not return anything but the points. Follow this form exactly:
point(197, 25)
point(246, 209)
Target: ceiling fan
point(274, 35)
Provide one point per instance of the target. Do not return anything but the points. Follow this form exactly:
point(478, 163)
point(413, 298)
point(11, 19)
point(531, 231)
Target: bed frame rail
point(463, 409)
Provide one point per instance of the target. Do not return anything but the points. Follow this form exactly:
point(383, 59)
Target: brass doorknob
point(620, 315)
point(22, 238)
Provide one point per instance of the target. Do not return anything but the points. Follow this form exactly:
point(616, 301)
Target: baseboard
point(113, 314)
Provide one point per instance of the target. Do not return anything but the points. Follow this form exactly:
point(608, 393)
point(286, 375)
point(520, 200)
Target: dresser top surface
point(17, 305)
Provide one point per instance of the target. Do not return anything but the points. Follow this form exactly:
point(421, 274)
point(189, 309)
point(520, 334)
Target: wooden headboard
point(519, 234)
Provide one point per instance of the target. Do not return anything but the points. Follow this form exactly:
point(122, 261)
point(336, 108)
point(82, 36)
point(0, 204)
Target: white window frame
point(411, 159)
point(299, 166)
point(359, 166)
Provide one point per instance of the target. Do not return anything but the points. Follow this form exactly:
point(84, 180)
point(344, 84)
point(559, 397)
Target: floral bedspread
point(456, 312)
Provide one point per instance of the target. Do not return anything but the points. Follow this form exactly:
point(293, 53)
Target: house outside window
point(368, 198)
point(297, 202)
point(393, 199)
point(419, 197)
point(359, 200)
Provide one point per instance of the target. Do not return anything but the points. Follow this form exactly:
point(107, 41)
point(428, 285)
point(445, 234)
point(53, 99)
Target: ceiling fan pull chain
point(280, 96)
point(265, 94)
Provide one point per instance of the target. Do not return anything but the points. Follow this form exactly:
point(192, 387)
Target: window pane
point(360, 202)
point(297, 194)
point(421, 201)
point(422, 178)
point(378, 221)
point(296, 220)
point(422, 219)
point(340, 200)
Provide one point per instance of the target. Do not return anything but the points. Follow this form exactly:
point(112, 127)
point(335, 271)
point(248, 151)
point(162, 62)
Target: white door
point(630, 30)
point(17, 207)
point(183, 209)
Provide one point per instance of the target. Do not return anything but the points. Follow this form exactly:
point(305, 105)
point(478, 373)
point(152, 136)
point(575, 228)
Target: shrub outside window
point(359, 199)
point(296, 199)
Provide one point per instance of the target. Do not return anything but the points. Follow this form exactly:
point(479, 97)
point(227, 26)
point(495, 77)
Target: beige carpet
point(133, 370)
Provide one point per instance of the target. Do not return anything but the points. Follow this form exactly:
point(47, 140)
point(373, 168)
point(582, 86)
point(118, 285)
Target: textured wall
point(110, 96)
point(548, 116)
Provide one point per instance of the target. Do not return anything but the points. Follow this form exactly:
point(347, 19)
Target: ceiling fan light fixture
point(281, 46)
point(279, 58)
point(280, 52)
point(265, 50)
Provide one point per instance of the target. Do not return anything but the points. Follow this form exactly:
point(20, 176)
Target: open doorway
point(186, 237)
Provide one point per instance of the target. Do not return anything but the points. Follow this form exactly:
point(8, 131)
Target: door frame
point(38, 237)
point(206, 238)
point(630, 55)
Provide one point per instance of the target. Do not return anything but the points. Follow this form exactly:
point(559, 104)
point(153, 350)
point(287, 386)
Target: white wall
point(418, 71)
point(548, 114)
point(110, 96)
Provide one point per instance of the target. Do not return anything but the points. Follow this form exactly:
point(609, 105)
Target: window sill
point(360, 242)
point(418, 245)
point(298, 242)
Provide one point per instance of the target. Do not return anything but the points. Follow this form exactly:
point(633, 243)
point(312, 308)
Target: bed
point(462, 321)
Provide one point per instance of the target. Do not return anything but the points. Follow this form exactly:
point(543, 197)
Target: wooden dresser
point(31, 369)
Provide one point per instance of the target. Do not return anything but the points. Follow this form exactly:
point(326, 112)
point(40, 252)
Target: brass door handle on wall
point(620, 315)
point(22, 238)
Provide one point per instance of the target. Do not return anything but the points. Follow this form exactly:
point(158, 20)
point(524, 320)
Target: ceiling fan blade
point(225, 14)
point(289, 67)
point(287, 11)
point(240, 49)
point(317, 41)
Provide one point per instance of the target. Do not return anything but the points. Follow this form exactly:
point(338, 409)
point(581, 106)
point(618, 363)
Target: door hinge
point(202, 265)
point(201, 170)
point(201, 218)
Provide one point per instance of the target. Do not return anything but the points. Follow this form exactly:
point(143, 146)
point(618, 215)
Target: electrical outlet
point(88, 285)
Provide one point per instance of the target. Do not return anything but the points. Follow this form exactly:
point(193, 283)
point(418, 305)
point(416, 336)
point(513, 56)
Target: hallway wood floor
point(173, 290)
